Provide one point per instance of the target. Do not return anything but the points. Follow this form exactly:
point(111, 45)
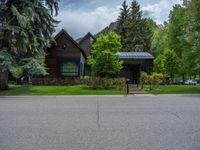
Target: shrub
point(57, 81)
point(154, 80)
point(92, 82)
point(143, 78)
point(106, 83)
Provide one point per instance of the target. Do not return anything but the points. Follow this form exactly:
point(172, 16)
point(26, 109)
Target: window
point(62, 46)
point(91, 40)
point(69, 69)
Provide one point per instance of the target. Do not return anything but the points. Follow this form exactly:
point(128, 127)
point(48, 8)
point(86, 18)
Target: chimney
point(139, 48)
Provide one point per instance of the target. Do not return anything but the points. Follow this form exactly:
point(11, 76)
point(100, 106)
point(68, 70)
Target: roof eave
point(77, 45)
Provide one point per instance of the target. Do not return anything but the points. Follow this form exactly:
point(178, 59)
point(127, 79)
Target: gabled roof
point(73, 41)
point(88, 34)
point(135, 55)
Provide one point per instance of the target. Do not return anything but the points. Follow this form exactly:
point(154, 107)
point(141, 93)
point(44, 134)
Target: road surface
point(100, 123)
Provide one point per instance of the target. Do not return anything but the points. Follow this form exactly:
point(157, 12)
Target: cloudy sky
point(81, 16)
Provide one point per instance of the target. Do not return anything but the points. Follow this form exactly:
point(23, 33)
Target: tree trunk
point(3, 79)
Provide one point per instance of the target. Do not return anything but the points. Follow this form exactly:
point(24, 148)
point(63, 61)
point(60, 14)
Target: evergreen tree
point(26, 29)
point(122, 22)
point(136, 13)
point(134, 29)
point(147, 29)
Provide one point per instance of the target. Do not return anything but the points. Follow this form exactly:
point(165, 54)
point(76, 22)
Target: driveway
point(100, 123)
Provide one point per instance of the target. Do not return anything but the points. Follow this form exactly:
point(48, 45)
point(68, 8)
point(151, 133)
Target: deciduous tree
point(171, 63)
point(104, 60)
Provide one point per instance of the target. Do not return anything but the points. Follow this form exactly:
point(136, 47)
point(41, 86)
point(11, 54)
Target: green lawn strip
point(174, 89)
point(28, 90)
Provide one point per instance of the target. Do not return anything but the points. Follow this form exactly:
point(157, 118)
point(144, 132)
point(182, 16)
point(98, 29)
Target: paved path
point(100, 123)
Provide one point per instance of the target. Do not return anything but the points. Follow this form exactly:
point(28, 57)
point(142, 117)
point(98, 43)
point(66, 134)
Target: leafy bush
point(92, 82)
point(56, 81)
point(154, 80)
point(106, 83)
point(143, 78)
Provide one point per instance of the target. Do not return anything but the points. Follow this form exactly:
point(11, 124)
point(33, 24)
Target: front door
point(131, 72)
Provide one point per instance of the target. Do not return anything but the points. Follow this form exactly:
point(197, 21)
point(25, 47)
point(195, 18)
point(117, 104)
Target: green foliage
point(159, 64)
point(105, 83)
point(26, 31)
point(104, 60)
point(194, 8)
point(152, 80)
point(182, 34)
point(6, 60)
point(144, 75)
point(134, 29)
point(176, 89)
point(171, 63)
point(35, 66)
point(57, 90)
point(16, 72)
point(122, 24)
point(176, 32)
point(159, 40)
point(143, 78)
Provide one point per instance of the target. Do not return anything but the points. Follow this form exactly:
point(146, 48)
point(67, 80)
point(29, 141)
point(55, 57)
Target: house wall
point(86, 45)
point(132, 68)
point(147, 66)
point(64, 49)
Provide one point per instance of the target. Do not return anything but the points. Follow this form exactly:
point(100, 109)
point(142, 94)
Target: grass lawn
point(28, 90)
point(175, 89)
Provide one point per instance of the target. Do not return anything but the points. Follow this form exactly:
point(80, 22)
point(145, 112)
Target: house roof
point(80, 40)
point(135, 55)
point(73, 41)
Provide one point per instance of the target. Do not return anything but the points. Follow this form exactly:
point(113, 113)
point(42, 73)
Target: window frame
point(68, 60)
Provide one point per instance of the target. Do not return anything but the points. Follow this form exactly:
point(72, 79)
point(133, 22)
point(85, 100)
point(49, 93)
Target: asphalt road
point(100, 123)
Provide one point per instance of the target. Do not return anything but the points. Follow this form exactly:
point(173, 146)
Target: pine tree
point(26, 29)
point(122, 23)
point(133, 29)
point(140, 29)
point(136, 13)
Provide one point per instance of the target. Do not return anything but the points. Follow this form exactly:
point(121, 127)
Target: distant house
point(134, 63)
point(67, 58)
point(86, 43)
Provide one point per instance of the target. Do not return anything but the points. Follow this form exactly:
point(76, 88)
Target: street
point(100, 123)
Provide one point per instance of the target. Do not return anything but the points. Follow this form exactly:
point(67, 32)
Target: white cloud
point(159, 11)
point(79, 22)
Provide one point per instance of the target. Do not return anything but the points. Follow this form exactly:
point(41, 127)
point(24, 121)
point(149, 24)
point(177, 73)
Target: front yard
point(28, 90)
point(175, 89)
